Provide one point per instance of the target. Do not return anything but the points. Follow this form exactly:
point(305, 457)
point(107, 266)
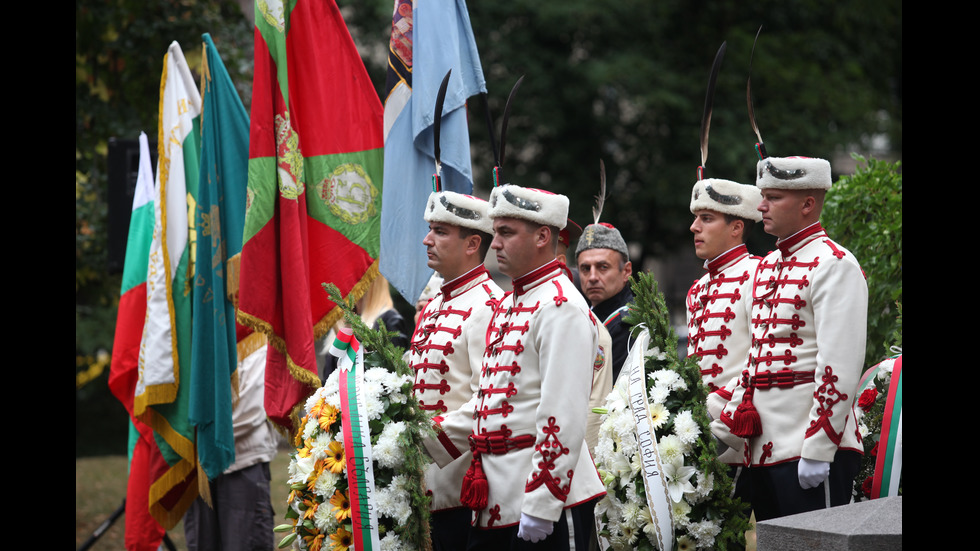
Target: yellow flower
point(342, 539)
point(327, 416)
point(335, 457)
point(314, 543)
point(341, 505)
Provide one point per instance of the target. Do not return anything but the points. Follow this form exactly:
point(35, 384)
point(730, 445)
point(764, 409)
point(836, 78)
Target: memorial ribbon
point(888, 464)
point(654, 481)
point(357, 442)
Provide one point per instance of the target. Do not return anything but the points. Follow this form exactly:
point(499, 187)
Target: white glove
point(534, 529)
point(812, 472)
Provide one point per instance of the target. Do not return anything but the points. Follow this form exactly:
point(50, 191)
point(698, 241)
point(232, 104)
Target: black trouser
point(775, 491)
point(451, 529)
point(561, 539)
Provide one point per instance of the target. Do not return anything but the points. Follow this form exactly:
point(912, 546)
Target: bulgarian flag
point(161, 401)
point(219, 219)
point(143, 532)
point(314, 189)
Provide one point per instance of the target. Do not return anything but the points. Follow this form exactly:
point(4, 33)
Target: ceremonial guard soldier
point(793, 405)
point(719, 304)
point(447, 347)
point(532, 477)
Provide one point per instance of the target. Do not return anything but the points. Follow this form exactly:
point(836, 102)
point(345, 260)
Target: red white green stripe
point(888, 465)
point(357, 442)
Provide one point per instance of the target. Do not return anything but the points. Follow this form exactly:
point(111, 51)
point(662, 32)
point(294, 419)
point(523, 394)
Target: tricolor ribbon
point(357, 442)
point(888, 462)
point(888, 465)
point(654, 481)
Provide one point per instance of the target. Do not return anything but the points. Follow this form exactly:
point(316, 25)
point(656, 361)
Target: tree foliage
point(625, 82)
point(863, 212)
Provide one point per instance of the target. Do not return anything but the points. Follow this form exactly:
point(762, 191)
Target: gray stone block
point(866, 526)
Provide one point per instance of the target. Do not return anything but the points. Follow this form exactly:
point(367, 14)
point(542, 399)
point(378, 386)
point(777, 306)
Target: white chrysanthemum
point(864, 430)
point(656, 353)
point(679, 511)
point(320, 443)
point(616, 401)
point(393, 500)
point(686, 428)
point(371, 391)
point(604, 449)
point(391, 542)
point(300, 469)
point(671, 447)
point(623, 425)
point(324, 519)
point(310, 428)
point(631, 514)
point(326, 483)
point(705, 484)
point(387, 451)
point(705, 532)
point(666, 377)
point(659, 394)
point(397, 398)
point(373, 408)
point(631, 494)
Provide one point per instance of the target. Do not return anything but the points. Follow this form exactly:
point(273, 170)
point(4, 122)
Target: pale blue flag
point(426, 42)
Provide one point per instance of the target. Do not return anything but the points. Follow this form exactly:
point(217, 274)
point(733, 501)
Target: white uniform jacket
point(530, 419)
point(446, 352)
point(719, 306)
point(809, 319)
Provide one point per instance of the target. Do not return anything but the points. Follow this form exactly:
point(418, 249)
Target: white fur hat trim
point(535, 205)
point(727, 197)
point(793, 173)
point(458, 209)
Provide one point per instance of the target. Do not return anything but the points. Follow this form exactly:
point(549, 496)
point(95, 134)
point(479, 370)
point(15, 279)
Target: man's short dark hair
point(485, 239)
point(746, 224)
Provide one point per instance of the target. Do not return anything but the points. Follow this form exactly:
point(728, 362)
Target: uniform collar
point(537, 276)
point(725, 259)
point(793, 243)
point(463, 282)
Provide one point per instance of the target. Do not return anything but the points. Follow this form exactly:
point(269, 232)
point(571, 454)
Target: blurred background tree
point(863, 212)
point(623, 81)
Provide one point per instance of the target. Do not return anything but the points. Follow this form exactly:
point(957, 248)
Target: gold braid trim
point(162, 164)
point(152, 395)
point(168, 518)
point(320, 329)
point(163, 169)
point(260, 325)
point(180, 443)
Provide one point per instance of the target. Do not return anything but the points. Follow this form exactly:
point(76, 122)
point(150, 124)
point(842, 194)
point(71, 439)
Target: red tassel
point(746, 421)
point(476, 489)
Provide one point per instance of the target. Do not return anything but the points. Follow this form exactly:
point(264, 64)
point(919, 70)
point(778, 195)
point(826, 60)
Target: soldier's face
point(514, 244)
point(444, 247)
point(782, 211)
point(602, 273)
point(713, 235)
